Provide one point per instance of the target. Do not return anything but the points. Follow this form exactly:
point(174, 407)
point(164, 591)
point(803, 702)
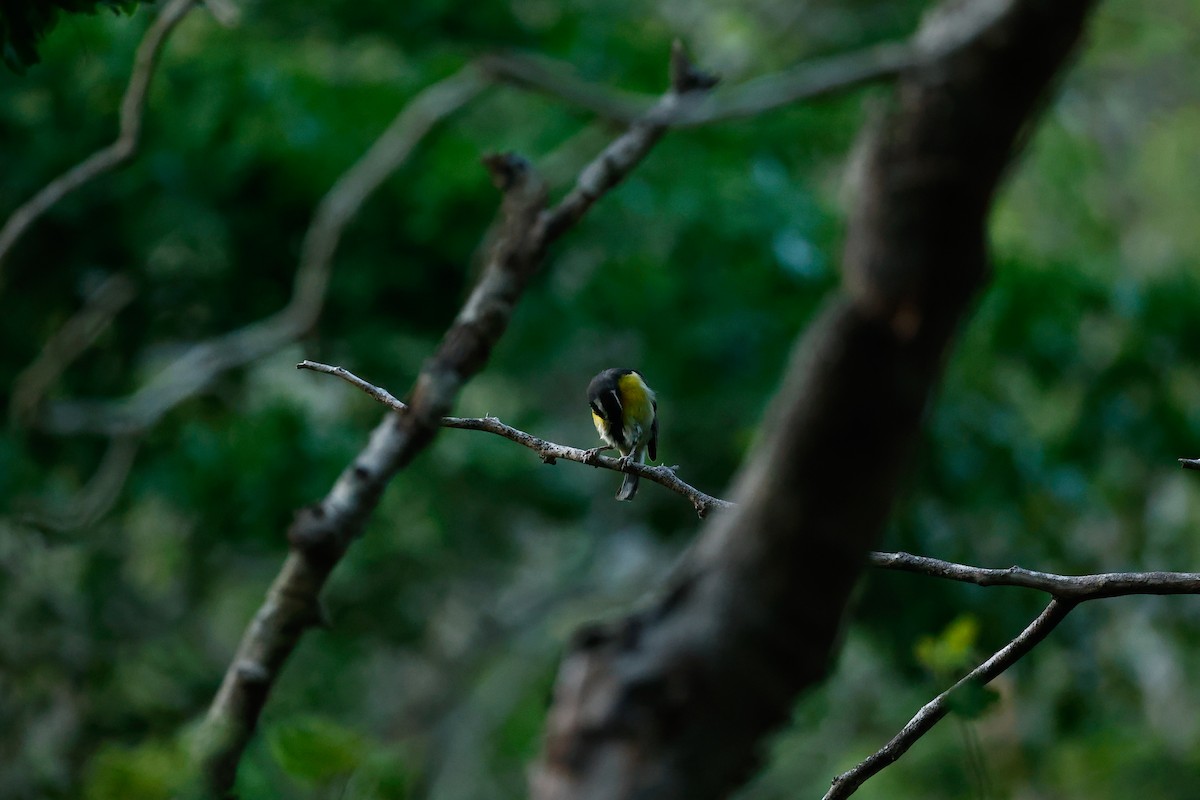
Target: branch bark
point(673, 702)
point(321, 533)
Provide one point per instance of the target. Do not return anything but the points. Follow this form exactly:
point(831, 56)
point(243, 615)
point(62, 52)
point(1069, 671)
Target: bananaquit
point(626, 417)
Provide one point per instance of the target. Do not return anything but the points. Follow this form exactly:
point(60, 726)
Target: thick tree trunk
point(674, 702)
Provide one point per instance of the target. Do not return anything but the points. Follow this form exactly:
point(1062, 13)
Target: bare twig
point(804, 81)
point(201, 364)
point(321, 533)
point(123, 148)
point(1190, 463)
point(549, 452)
point(936, 709)
point(1064, 587)
point(1067, 591)
point(380, 394)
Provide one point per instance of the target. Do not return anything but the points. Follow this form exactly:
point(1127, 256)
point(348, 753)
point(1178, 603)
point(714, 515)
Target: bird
point(625, 413)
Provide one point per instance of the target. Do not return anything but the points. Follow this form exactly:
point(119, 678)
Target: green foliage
point(315, 750)
point(952, 650)
point(23, 25)
point(947, 656)
point(1051, 444)
point(150, 771)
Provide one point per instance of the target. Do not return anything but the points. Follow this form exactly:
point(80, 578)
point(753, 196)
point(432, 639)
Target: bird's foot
point(592, 456)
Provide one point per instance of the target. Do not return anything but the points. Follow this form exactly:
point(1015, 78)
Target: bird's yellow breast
point(637, 400)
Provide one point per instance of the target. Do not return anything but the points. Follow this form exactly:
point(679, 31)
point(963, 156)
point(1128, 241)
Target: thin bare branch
point(123, 148)
point(932, 712)
point(549, 452)
point(1067, 590)
point(1190, 463)
point(378, 393)
point(804, 81)
point(1064, 587)
point(198, 366)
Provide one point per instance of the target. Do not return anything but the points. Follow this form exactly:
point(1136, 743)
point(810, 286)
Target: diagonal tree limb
point(321, 533)
point(197, 367)
point(674, 701)
point(549, 452)
point(936, 709)
point(123, 148)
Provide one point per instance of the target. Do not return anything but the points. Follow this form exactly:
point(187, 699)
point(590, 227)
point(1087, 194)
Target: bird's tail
point(629, 486)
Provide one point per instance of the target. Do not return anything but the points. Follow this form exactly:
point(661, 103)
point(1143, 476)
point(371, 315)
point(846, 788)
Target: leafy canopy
point(24, 24)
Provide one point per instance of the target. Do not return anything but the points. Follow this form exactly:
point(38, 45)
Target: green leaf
point(315, 749)
point(149, 771)
point(952, 650)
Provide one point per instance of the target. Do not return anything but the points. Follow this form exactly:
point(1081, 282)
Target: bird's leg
point(590, 456)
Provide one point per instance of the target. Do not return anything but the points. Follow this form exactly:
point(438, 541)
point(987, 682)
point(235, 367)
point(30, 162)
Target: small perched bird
point(626, 417)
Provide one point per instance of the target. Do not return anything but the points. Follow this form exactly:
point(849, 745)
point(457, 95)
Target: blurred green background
point(1052, 443)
